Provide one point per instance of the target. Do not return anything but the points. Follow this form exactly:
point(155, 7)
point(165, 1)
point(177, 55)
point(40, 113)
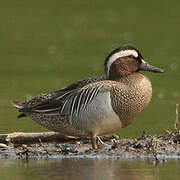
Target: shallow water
point(46, 45)
point(90, 169)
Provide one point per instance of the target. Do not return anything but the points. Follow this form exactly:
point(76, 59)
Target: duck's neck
point(117, 73)
point(131, 78)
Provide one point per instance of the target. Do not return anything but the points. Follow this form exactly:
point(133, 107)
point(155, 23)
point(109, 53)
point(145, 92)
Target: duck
point(96, 106)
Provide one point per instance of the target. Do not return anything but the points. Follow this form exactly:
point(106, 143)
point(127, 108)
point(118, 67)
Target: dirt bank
point(156, 147)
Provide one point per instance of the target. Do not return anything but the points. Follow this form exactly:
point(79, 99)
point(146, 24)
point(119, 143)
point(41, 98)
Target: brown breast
point(131, 96)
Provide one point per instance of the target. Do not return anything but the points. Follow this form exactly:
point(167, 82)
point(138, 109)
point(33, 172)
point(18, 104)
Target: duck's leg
point(107, 146)
point(94, 141)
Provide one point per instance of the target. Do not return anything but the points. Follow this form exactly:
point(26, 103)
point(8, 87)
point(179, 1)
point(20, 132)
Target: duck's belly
point(98, 117)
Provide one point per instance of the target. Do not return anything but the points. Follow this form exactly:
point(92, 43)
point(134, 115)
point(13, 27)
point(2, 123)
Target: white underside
point(98, 117)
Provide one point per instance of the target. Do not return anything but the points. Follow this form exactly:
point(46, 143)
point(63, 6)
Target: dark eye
point(131, 56)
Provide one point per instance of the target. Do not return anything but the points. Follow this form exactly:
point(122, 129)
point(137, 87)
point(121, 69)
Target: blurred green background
point(46, 45)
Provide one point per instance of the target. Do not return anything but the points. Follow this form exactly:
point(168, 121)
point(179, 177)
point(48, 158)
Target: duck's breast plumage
point(131, 96)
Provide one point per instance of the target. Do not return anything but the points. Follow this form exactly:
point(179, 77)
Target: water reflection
point(89, 169)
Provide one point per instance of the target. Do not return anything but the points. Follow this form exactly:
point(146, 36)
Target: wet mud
point(158, 148)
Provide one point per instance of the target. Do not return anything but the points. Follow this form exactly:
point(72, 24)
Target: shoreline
point(157, 148)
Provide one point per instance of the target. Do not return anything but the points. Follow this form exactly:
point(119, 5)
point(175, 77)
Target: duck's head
point(125, 60)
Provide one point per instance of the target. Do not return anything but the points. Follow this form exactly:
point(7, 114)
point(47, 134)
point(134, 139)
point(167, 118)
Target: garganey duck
point(96, 106)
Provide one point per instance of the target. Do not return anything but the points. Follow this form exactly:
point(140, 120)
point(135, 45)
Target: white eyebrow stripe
point(143, 61)
point(118, 55)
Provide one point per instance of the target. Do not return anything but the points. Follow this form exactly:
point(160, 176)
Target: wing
point(78, 101)
point(81, 83)
point(73, 102)
point(48, 103)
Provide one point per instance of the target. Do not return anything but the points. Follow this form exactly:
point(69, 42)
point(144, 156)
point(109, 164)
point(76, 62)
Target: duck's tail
point(19, 105)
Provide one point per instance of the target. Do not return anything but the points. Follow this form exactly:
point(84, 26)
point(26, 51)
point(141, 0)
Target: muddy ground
point(158, 148)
